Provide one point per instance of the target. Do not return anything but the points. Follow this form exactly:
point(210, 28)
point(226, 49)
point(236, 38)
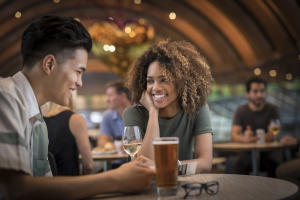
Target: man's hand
point(288, 140)
point(249, 136)
point(269, 137)
point(135, 175)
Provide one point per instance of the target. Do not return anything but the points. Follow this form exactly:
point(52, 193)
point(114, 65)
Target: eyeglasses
point(195, 188)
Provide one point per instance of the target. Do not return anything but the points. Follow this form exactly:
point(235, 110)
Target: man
point(55, 52)
point(256, 114)
point(118, 99)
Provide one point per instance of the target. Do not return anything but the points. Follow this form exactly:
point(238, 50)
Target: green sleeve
point(202, 121)
point(136, 116)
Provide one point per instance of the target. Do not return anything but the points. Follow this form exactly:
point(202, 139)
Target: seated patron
point(118, 99)
point(170, 83)
point(248, 118)
point(68, 136)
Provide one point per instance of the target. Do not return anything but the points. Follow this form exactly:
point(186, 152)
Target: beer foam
point(165, 142)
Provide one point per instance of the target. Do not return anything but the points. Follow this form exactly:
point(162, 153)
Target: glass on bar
point(166, 156)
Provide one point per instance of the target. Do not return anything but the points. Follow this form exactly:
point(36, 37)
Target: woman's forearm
point(203, 165)
point(152, 131)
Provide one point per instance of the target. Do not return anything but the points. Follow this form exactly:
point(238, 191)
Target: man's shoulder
point(9, 91)
point(242, 108)
point(271, 106)
point(108, 113)
point(7, 85)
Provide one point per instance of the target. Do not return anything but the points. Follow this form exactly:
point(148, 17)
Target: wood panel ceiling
point(235, 36)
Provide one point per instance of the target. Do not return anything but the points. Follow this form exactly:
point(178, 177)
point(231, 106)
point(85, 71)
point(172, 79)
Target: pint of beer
point(166, 156)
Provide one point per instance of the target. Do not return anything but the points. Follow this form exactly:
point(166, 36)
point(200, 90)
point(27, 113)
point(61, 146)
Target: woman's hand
point(147, 101)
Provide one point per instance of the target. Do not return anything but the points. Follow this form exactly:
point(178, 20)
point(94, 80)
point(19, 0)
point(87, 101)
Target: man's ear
point(49, 63)
point(124, 97)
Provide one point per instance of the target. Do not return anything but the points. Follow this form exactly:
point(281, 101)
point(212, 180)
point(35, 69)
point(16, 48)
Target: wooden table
point(255, 150)
point(231, 187)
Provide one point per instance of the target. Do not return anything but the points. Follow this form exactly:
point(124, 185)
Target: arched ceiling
point(235, 36)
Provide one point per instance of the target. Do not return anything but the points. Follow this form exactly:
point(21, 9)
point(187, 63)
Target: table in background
point(105, 158)
point(231, 186)
point(255, 150)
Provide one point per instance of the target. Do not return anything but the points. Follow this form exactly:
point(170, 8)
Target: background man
point(256, 114)
point(55, 52)
point(118, 99)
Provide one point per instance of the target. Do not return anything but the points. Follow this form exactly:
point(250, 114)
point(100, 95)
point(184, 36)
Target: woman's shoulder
point(203, 109)
point(135, 110)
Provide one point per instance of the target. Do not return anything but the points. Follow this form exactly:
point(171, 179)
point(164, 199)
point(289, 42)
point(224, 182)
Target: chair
point(52, 163)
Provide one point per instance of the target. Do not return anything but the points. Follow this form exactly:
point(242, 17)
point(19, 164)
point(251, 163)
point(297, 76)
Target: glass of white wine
point(131, 140)
point(275, 127)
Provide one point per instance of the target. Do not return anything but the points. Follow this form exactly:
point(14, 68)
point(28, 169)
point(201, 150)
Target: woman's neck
point(169, 111)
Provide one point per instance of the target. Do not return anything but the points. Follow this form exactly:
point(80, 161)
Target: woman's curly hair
point(183, 64)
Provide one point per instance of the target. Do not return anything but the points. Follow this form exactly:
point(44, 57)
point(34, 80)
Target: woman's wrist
point(153, 111)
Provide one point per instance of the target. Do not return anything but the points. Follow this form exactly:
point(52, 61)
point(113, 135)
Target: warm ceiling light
point(112, 48)
point(289, 76)
point(257, 71)
point(273, 73)
point(132, 34)
point(56, 1)
point(172, 15)
point(142, 21)
point(106, 47)
point(127, 29)
point(137, 1)
point(18, 14)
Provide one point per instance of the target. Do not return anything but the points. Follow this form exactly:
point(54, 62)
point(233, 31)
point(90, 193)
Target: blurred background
point(239, 38)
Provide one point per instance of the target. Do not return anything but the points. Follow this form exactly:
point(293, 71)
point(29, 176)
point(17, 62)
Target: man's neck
point(254, 107)
point(36, 85)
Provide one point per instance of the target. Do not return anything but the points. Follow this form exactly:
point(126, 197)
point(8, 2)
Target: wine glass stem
point(275, 138)
point(131, 157)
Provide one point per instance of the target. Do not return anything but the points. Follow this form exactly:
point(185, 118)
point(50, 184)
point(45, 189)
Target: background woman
point(68, 133)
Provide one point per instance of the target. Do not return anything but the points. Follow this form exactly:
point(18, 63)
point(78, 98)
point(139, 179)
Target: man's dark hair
point(255, 80)
point(120, 88)
point(53, 35)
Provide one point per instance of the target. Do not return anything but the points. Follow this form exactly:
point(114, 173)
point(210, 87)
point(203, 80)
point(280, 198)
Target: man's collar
point(254, 108)
point(24, 86)
point(115, 115)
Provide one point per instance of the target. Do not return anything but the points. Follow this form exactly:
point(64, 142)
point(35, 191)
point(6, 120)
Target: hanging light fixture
point(117, 42)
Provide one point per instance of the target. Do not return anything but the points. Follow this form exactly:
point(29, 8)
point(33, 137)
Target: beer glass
point(166, 157)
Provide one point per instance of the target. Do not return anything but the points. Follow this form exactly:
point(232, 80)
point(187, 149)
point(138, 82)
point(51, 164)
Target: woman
point(68, 133)
point(172, 80)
